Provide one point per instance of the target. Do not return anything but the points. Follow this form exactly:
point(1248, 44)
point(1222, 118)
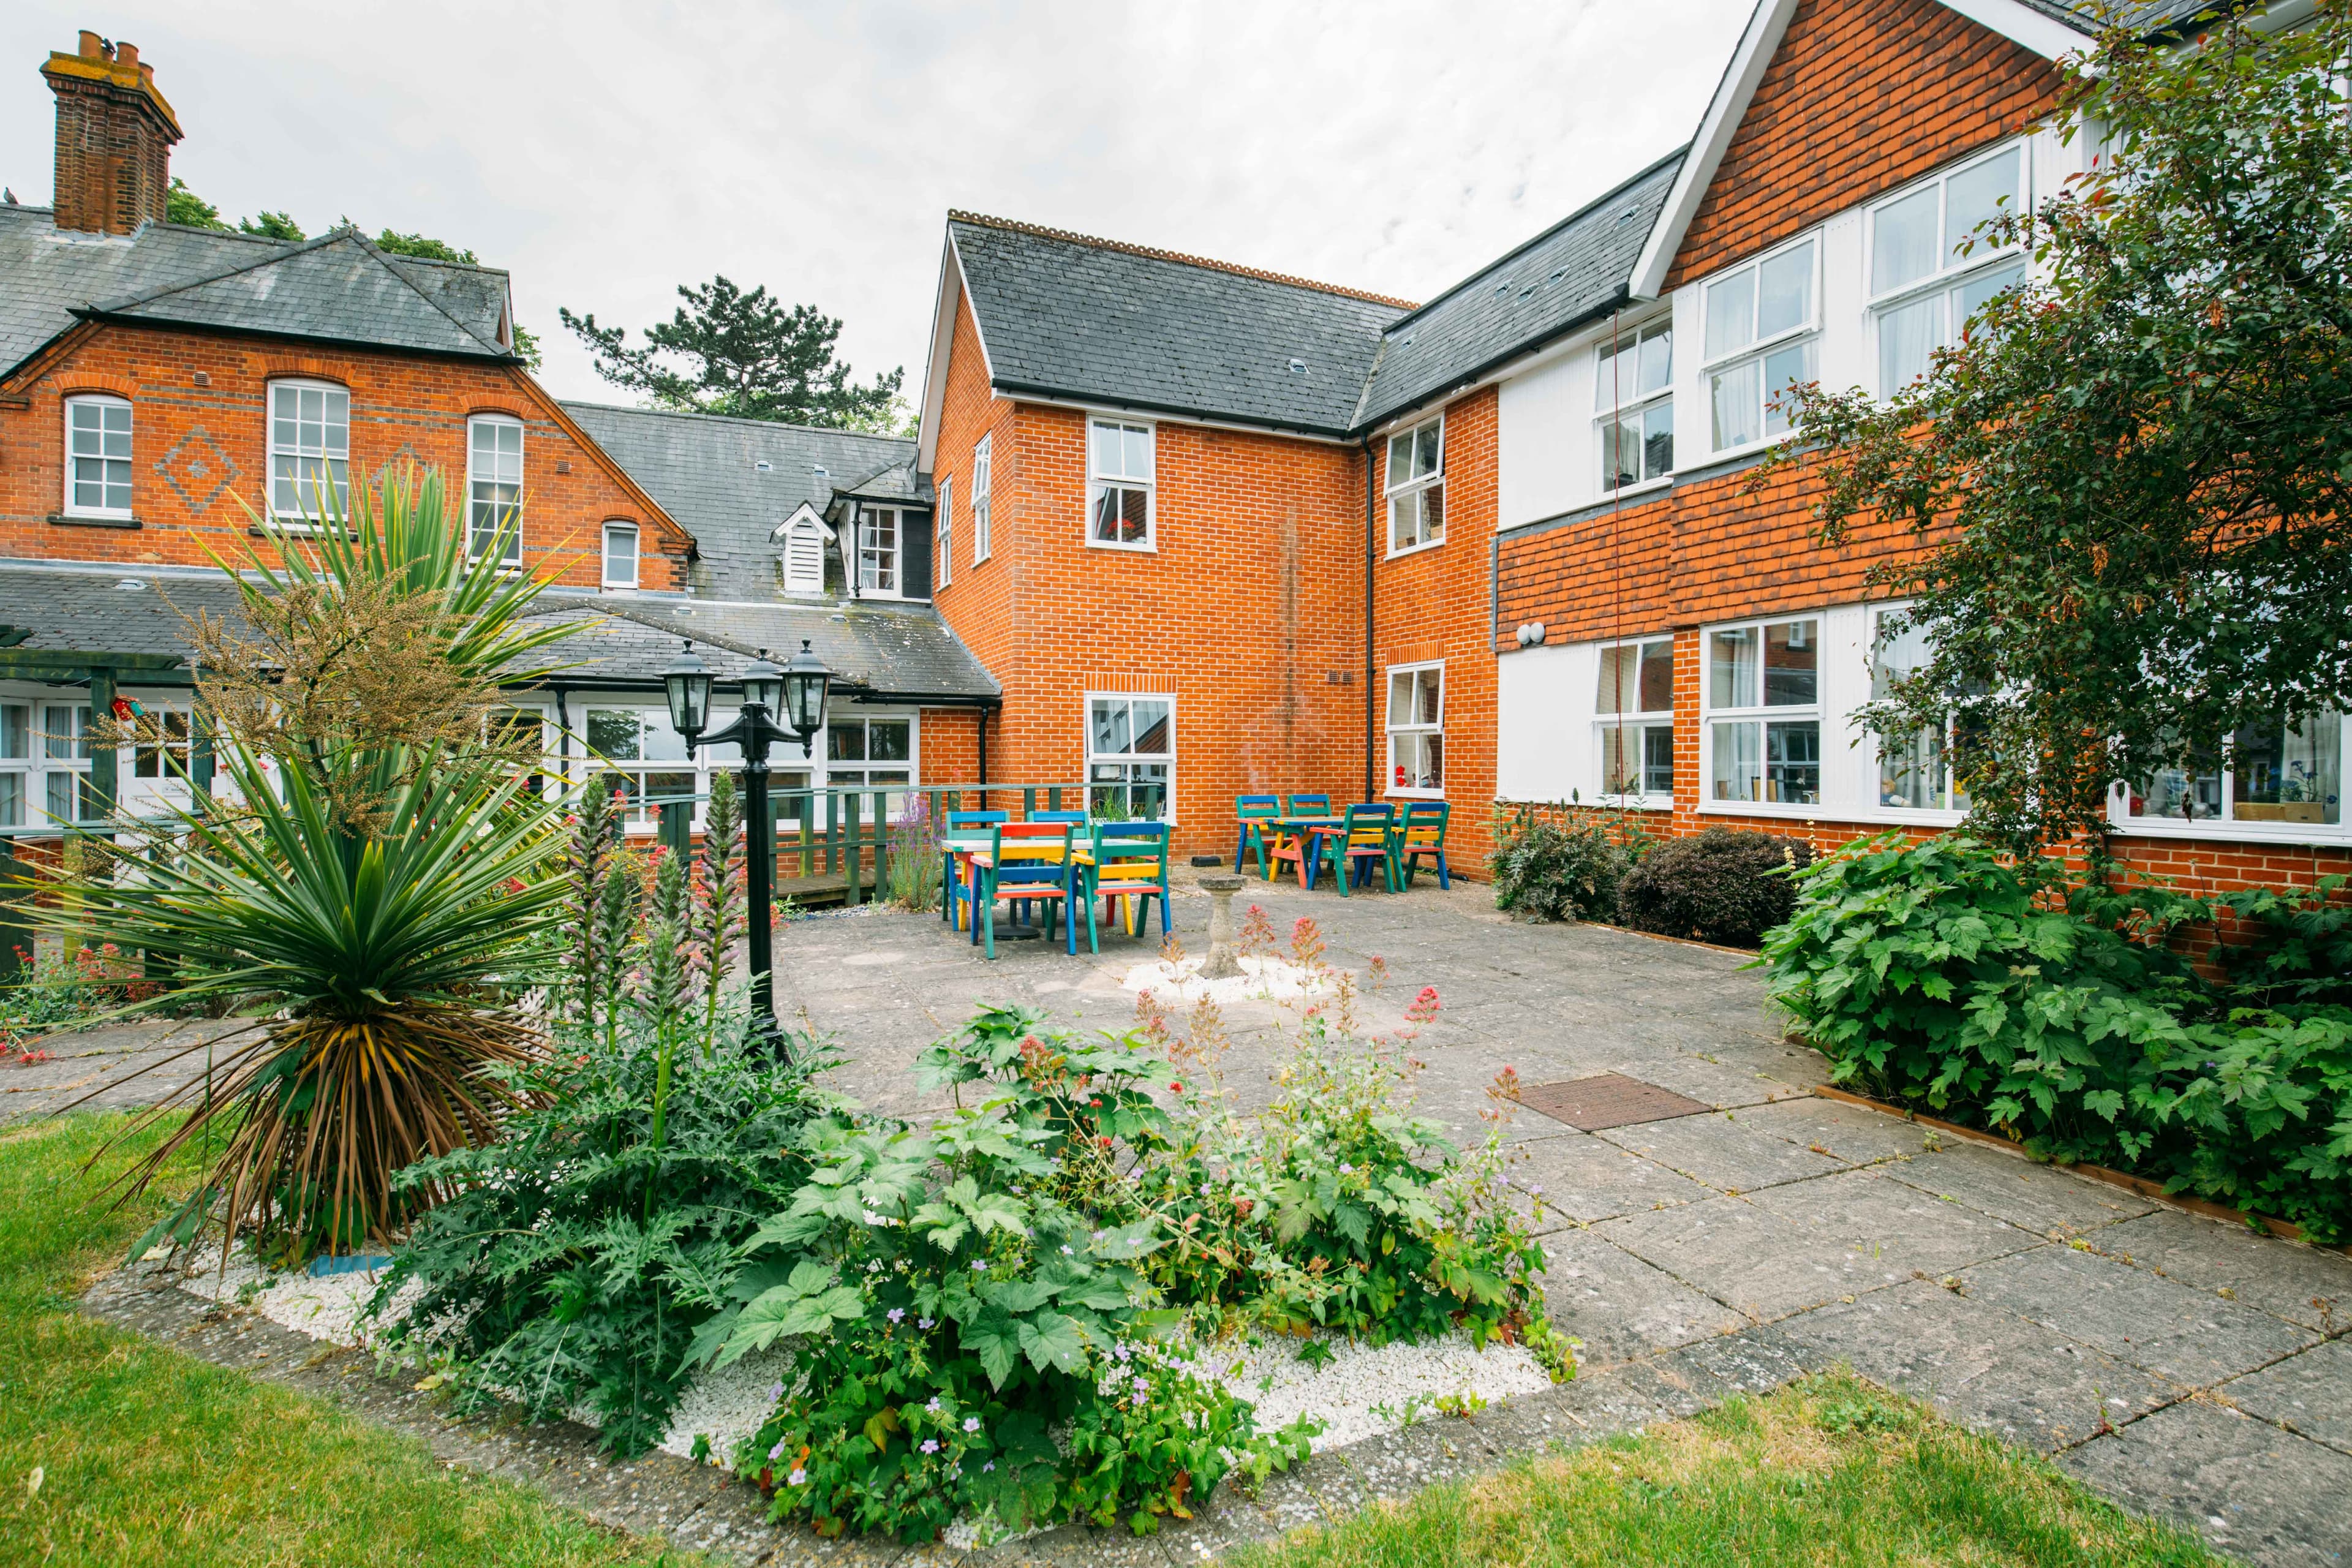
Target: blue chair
point(1126, 859)
point(1077, 817)
point(1252, 811)
point(952, 889)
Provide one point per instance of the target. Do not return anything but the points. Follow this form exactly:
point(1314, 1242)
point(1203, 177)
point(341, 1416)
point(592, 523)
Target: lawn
point(148, 1457)
point(1831, 1471)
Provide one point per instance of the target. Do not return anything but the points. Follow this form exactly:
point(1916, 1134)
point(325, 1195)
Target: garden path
point(2181, 1364)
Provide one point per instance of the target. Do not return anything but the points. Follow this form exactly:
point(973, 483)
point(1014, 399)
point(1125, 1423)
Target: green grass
point(150, 1458)
point(1828, 1471)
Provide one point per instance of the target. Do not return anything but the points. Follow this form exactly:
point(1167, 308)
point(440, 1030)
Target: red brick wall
point(951, 746)
point(1861, 96)
point(1433, 604)
point(201, 449)
point(1253, 599)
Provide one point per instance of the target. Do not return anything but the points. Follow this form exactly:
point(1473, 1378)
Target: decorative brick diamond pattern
point(197, 468)
point(1610, 1099)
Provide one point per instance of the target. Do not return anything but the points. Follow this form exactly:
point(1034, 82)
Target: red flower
point(1176, 1088)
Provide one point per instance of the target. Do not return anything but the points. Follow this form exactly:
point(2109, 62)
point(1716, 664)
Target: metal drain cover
point(1610, 1099)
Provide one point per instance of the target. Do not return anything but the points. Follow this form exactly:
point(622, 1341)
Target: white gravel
point(729, 1404)
point(1261, 980)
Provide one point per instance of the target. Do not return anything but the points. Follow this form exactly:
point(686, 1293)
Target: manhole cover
point(1611, 1100)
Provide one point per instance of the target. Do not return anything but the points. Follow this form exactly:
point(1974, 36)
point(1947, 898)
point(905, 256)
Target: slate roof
point(2140, 15)
point(704, 470)
point(888, 652)
point(1063, 315)
point(336, 288)
point(1564, 277)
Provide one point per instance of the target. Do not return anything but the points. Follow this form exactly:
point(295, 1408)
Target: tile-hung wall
point(1632, 442)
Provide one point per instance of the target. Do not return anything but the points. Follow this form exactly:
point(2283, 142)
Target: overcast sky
point(604, 153)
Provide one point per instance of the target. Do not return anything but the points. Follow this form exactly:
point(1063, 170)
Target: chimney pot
point(126, 54)
point(94, 48)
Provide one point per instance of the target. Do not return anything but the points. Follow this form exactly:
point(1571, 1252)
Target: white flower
point(972, 1423)
point(797, 1478)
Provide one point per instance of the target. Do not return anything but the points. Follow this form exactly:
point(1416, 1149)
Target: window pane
point(1139, 453)
point(1731, 313)
point(613, 733)
point(1793, 651)
point(1620, 759)
point(16, 733)
point(1613, 377)
point(1736, 769)
point(1657, 440)
point(889, 740)
point(1405, 520)
point(845, 741)
point(1425, 457)
point(659, 743)
point(1657, 678)
point(1399, 460)
point(1111, 725)
point(2284, 775)
point(1620, 454)
point(2180, 794)
point(1792, 762)
point(621, 557)
point(1784, 291)
point(1658, 759)
point(1899, 652)
point(66, 736)
point(1106, 448)
point(1620, 681)
point(1432, 514)
point(1790, 367)
point(1971, 296)
point(11, 800)
point(1738, 406)
point(1657, 359)
point(1417, 760)
point(1732, 668)
point(1903, 246)
point(1974, 196)
point(1399, 698)
point(1151, 736)
point(1911, 770)
point(1908, 336)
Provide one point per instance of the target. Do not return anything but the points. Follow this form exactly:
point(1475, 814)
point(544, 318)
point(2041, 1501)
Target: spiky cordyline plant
point(379, 878)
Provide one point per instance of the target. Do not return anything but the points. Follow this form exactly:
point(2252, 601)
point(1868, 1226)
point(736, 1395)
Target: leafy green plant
point(1559, 863)
point(1720, 885)
point(2067, 1013)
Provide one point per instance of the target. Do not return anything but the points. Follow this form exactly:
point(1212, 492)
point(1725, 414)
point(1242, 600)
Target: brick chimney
point(114, 139)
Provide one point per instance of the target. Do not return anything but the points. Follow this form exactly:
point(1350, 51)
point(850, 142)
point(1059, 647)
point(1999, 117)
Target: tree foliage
point(745, 355)
point(2131, 472)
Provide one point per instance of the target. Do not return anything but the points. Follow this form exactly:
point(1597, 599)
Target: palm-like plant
point(378, 879)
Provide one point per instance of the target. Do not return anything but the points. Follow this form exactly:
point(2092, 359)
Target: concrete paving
point(2183, 1366)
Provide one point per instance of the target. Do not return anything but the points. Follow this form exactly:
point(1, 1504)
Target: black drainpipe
point(1372, 528)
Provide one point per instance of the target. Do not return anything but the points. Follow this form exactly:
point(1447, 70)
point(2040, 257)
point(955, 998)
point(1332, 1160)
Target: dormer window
point(620, 555)
point(878, 536)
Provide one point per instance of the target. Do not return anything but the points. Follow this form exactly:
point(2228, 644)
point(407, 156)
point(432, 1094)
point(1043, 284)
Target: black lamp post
point(795, 694)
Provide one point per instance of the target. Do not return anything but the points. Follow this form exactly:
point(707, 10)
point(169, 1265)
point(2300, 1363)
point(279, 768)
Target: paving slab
point(2189, 1336)
point(1722, 1151)
point(1724, 1085)
point(1746, 1256)
point(1899, 1230)
point(2041, 1198)
point(1584, 1178)
point(1979, 1364)
point(2309, 1391)
point(2302, 1284)
point(1622, 1307)
point(1848, 1132)
point(2252, 1490)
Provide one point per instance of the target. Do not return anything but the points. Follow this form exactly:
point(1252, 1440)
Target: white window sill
point(620, 587)
point(1774, 808)
point(2316, 833)
point(1647, 487)
point(1146, 547)
point(1396, 794)
point(1750, 448)
point(96, 514)
point(1425, 545)
point(1633, 801)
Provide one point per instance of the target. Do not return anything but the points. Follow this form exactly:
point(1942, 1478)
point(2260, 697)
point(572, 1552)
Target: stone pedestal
point(1221, 965)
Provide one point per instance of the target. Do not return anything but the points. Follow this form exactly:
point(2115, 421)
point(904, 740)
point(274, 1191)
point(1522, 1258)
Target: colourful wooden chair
point(1026, 863)
point(1078, 817)
point(1359, 849)
point(1420, 835)
point(1125, 860)
point(1252, 811)
point(1310, 805)
point(1298, 849)
point(953, 890)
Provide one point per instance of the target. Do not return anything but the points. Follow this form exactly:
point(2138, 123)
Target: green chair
point(1252, 810)
point(1025, 863)
point(1421, 835)
point(1125, 860)
point(1354, 851)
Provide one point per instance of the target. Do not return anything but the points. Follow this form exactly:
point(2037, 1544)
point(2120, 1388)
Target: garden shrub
point(2069, 1015)
point(1562, 868)
point(1720, 885)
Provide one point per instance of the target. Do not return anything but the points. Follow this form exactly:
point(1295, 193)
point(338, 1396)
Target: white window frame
point(614, 529)
point(484, 514)
point(103, 402)
point(1412, 728)
point(835, 774)
point(1128, 761)
point(2228, 825)
point(1414, 490)
point(1617, 405)
point(1804, 335)
point(982, 452)
point(945, 527)
point(20, 747)
point(1638, 720)
point(873, 562)
point(1715, 720)
point(1100, 480)
point(302, 482)
point(72, 764)
point(1957, 272)
point(1872, 748)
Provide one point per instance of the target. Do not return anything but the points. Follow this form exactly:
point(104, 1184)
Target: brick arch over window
point(1861, 97)
point(278, 367)
point(83, 382)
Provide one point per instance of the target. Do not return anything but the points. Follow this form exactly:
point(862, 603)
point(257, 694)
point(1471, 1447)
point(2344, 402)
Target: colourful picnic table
point(1301, 826)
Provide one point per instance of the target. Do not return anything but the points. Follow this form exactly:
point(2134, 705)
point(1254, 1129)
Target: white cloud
point(606, 153)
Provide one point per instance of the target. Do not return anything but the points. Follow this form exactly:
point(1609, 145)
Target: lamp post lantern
point(797, 696)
